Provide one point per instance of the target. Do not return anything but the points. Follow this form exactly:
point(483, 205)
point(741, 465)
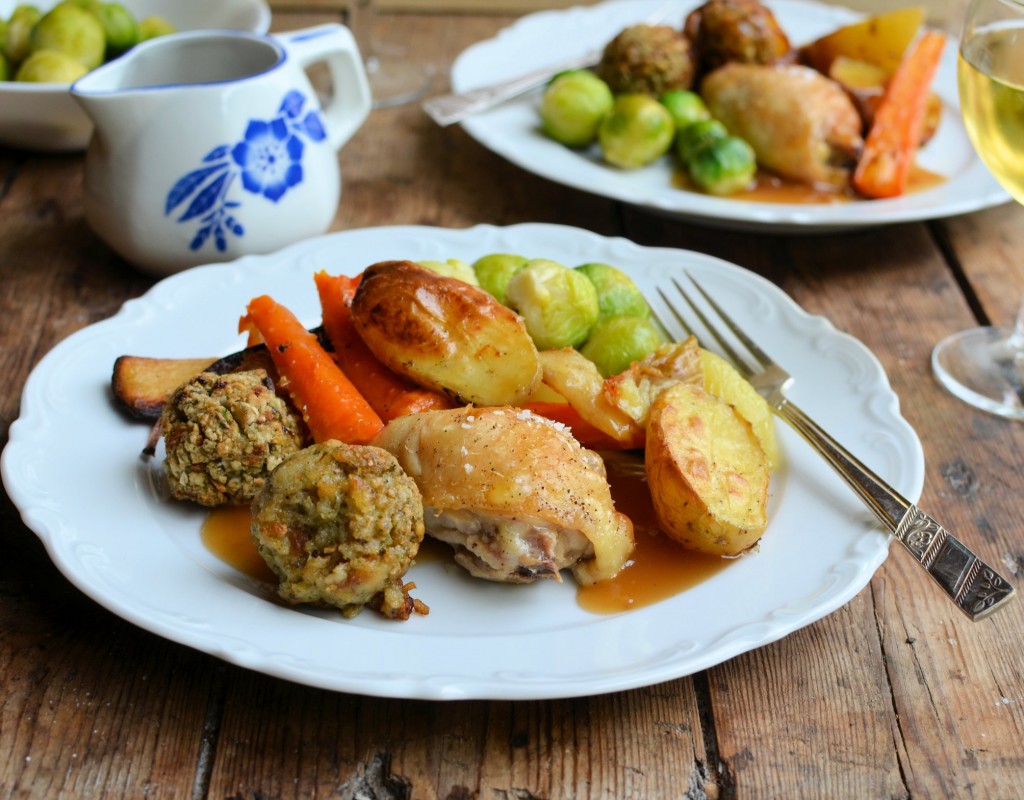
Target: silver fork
point(974, 586)
point(447, 109)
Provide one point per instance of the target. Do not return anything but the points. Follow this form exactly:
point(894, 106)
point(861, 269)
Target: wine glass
point(985, 366)
point(394, 80)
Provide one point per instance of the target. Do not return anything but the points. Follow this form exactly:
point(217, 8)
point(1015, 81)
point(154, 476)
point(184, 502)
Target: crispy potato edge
point(141, 384)
point(688, 486)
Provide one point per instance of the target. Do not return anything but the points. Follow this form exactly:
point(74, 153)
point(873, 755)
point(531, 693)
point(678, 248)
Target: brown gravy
point(768, 188)
point(225, 533)
point(659, 568)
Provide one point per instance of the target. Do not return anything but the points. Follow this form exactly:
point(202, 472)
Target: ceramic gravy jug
point(210, 145)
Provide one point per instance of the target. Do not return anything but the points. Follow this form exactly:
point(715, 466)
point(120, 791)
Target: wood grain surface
point(894, 695)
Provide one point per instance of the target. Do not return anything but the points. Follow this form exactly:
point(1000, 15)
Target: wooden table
point(893, 695)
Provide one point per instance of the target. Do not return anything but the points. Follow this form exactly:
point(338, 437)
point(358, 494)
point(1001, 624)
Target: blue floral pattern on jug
point(268, 159)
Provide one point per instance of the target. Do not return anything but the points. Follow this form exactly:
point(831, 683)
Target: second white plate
point(513, 132)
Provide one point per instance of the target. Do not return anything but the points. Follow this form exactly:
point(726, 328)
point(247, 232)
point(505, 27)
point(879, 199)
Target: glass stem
point(362, 16)
point(1016, 339)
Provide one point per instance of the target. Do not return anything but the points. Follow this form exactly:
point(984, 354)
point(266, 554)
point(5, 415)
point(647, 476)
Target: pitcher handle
point(351, 101)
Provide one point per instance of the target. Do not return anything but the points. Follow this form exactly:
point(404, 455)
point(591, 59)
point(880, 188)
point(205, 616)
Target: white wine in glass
point(985, 366)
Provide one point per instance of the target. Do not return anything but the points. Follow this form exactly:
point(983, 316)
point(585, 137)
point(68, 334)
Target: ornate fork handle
point(451, 108)
point(974, 586)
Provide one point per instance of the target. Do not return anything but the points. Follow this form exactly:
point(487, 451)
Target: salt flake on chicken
point(515, 495)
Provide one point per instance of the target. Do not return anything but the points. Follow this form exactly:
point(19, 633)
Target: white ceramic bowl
point(44, 116)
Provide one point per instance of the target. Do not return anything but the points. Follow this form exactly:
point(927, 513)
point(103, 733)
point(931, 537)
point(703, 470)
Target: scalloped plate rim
point(639, 657)
point(506, 132)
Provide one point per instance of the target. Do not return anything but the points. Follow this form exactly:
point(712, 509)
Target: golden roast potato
point(619, 405)
point(707, 472)
point(445, 334)
point(576, 378)
point(723, 381)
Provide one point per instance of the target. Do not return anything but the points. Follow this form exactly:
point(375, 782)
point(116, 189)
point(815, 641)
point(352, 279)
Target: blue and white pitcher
point(210, 145)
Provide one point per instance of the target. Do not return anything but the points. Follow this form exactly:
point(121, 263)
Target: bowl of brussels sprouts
point(45, 45)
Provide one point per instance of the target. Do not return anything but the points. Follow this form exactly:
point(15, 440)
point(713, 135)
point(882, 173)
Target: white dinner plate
point(73, 468)
point(537, 40)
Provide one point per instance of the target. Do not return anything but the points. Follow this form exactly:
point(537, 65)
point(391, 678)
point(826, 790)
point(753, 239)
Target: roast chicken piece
point(801, 125)
point(515, 494)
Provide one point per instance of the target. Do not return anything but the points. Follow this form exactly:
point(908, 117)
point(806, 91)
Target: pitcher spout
point(109, 98)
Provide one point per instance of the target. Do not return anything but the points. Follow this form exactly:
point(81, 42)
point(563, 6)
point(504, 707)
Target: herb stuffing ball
point(223, 436)
point(339, 525)
point(744, 31)
point(648, 59)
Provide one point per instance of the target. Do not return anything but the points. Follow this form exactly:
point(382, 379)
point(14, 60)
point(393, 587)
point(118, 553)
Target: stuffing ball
point(744, 31)
point(339, 525)
point(224, 434)
point(648, 59)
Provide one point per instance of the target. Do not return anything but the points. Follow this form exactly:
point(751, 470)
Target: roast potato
point(707, 472)
point(881, 40)
point(723, 381)
point(576, 378)
point(865, 83)
point(445, 334)
point(619, 405)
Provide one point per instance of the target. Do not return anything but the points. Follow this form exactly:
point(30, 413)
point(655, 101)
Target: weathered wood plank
point(92, 706)
point(631, 745)
point(893, 695)
point(400, 168)
point(905, 302)
point(899, 301)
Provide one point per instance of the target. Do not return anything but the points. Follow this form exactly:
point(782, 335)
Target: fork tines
point(714, 331)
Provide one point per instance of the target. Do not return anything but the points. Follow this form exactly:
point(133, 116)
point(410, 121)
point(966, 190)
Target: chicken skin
point(801, 125)
point(515, 494)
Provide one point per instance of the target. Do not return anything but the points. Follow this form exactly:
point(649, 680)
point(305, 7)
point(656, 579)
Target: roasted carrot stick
point(884, 167)
point(588, 435)
point(390, 394)
point(331, 406)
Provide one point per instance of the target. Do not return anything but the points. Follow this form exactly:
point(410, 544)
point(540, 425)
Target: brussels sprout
point(637, 131)
point(723, 166)
point(573, 105)
point(17, 44)
point(119, 26)
point(617, 342)
point(558, 304)
point(617, 295)
point(495, 270)
point(694, 136)
point(452, 268)
point(50, 66)
point(685, 107)
point(152, 27)
point(71, 29)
